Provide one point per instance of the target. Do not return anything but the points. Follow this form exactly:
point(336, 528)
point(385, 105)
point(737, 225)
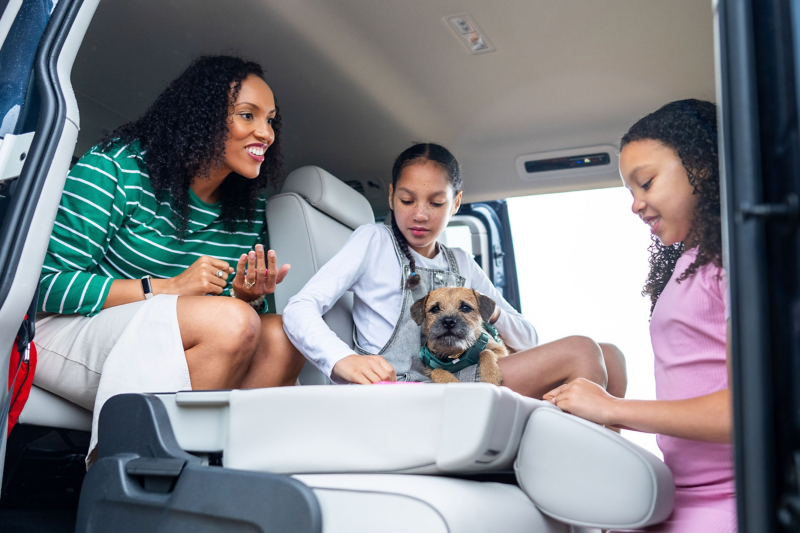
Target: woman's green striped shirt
point(110, 226)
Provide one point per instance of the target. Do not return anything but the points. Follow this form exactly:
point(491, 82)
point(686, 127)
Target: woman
point(164, 206)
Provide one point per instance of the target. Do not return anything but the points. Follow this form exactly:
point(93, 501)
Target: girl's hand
point(198, 280)
point(364, 369)
point(257, 275)
point(585, 399)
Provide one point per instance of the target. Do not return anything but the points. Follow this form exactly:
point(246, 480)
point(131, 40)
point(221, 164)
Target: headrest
point(330, 195)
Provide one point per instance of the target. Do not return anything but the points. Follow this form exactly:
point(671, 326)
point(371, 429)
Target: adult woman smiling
point(166, 205)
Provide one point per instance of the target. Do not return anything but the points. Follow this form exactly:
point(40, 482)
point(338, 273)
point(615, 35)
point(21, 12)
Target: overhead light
point(470, 34)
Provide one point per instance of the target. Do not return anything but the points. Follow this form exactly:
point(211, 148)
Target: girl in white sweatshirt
point(390, 266)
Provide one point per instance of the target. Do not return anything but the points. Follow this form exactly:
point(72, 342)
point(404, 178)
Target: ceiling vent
point(574, 163)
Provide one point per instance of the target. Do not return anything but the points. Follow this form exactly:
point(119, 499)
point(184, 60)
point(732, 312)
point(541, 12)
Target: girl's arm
point(302, 317)
point(705, 418)
point(517, 332)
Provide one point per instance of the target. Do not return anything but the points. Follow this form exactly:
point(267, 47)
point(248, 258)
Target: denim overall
point(402, 349)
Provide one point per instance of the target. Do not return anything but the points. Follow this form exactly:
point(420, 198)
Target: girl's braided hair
point(184, 134)
point(689, 127)
point(422, 153)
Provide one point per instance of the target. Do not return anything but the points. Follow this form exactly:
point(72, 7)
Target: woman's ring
point(219, 273)
point(247, 284)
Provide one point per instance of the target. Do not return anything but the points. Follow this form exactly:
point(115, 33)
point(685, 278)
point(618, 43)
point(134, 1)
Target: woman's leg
point(536, 371)
point(616, 368)
point(276, 362)
point(220, 336)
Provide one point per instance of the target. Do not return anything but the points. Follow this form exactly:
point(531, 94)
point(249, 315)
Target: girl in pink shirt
point(669, 162)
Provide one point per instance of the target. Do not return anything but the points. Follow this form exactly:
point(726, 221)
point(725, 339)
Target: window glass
point(458, 237)
point(582, 261)
point(16, 66)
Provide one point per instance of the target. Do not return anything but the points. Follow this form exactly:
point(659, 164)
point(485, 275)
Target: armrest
point(586, 475)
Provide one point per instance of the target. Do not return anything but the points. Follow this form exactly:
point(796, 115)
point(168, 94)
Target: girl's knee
point(616, 368)
point(588, 359)
point(584, 346)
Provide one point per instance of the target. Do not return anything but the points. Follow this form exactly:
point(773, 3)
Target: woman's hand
point(585, 399)
point(207, 275)
point(364, 369)
point(257, 275)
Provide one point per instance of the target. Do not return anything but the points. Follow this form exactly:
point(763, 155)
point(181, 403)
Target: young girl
point(390, 266)
point(668, 160)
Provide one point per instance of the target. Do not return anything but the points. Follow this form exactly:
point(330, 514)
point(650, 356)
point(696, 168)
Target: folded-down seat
point(571, 475)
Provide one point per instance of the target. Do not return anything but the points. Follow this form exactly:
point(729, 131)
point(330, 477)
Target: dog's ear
point(485, 306)
point(418, 310)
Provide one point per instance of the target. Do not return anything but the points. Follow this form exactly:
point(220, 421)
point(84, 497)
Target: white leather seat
point(585, 474)
point(44, 408)
point(308, 224)
point(361, 503)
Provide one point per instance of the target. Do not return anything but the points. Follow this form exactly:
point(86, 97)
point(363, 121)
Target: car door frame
point(31, 213)
point(760, 173)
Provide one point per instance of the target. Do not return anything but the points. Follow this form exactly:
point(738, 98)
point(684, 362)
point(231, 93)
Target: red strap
point(22, 385)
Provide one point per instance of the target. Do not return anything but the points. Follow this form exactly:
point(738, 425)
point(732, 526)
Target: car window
point(582, 261)
point(18, 98)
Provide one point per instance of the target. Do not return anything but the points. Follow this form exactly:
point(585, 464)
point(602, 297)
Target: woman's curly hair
point(690, 128)
point(183, 137)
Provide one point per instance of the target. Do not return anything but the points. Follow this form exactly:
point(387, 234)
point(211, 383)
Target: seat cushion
point(354, 503)
point(411, 428)
point(584, 474)
point(44, 408)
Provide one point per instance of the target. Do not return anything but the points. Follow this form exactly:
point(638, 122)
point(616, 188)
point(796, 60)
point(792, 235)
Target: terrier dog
point(452, 321)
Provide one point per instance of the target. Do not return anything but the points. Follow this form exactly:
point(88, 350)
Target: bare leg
point(539, 370)
point(617, 371)
point(276, 362)
point(220, 336)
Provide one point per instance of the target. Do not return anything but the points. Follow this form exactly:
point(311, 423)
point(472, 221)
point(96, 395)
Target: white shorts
point(72, 349)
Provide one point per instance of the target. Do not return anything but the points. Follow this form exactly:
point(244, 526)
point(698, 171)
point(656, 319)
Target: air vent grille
point(356, 185)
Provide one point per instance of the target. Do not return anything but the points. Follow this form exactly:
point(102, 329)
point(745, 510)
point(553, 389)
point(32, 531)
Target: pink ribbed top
point(688, 330)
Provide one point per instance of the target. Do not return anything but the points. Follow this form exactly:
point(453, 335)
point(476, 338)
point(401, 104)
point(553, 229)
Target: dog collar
point(466, 359)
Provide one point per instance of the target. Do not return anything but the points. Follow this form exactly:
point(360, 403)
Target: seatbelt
point(24, 339)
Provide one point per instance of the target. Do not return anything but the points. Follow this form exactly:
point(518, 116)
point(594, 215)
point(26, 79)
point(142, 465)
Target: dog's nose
point(449, 322)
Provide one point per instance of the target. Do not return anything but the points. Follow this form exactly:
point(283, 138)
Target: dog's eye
point(465, 308)
point(435, 309)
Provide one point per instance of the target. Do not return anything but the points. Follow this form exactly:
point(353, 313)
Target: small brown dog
point(452, 320)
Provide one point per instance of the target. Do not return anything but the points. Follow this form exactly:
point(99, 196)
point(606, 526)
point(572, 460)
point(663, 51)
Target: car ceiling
point(357, 81)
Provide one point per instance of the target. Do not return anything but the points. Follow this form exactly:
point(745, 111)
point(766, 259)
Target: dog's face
point(452, 319)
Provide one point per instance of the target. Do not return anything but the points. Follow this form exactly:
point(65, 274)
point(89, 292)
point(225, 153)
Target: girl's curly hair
point(690, 128)
point(183, 137)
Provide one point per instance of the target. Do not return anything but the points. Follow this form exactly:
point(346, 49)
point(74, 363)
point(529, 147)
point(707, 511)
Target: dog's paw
point(494, 379)
point(443, 376)
point(490, 371)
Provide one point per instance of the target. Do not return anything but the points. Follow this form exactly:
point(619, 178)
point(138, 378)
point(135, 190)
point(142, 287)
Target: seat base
point(390, 503)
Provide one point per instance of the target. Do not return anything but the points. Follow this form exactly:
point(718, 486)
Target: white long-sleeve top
point(367, 265)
